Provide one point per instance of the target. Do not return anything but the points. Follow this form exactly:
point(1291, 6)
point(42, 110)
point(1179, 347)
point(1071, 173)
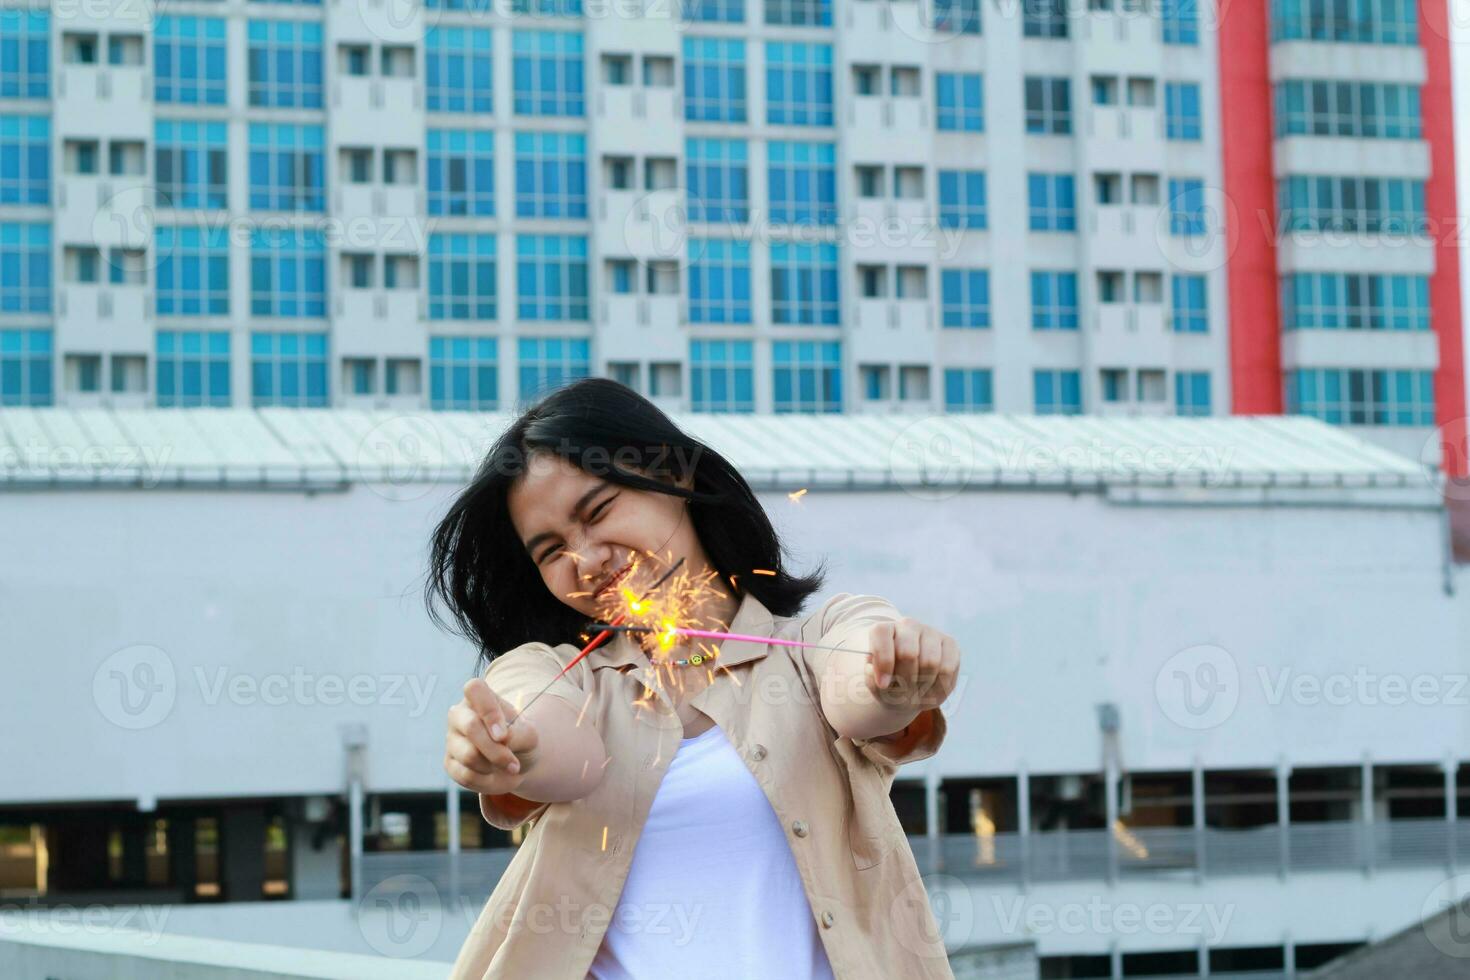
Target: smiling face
point(581, 530)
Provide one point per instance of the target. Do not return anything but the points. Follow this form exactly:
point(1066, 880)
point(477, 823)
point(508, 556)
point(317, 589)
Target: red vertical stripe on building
point(1440, 203)
point(1250, 190)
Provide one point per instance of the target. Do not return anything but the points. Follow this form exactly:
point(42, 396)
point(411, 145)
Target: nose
point(594, 563)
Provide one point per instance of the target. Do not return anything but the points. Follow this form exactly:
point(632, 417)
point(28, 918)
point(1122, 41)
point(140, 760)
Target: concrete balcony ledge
point(41, 948)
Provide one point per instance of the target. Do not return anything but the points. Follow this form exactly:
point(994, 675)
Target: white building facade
point(1046, 207)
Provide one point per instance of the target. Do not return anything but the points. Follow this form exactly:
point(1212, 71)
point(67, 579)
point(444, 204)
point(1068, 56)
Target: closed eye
point(591, 518)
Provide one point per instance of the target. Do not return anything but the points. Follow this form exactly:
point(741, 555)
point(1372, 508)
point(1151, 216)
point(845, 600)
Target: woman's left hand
point(912, 665)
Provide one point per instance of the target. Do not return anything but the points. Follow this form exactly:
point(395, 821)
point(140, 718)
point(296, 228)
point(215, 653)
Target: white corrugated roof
point(332, 448)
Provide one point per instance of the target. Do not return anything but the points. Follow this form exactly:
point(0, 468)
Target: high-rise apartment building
point(1064, 206)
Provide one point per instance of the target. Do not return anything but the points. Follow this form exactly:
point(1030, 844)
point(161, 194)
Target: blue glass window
point(457, 70)
point(25, 160)
point(1048, 105)
point(1191, 308)
point(544, 363)
point(26, 366)
point(968, 390)
point(288, 369)
point(547, 8)
point(964, 297)
point(1052, 202)
point(288, 273)
point(286, 170)
point(1353, 204)
point(193, 271)
point(1355, 301)
point(806, 376)
point(719, 281)
point(25, 267)
point(1338, 21)
point(189, 60)
point(25, 54)
point(547, 66)
point(464, 373)
point(1057, 392)
point(1192, 393)
point(1053, 300)
point(802, 179)
point(191, 162)
point(713, 11)
point(962, 199)
point(461, 172)
point(1044, 18)
point(721, 376)
point(1187, 206)
point(798, 84)
point(714, 79)
point(551, 277)
point(1180, 21)
point(799, 13)
point(551, 175)
point(462, 277)
point(804, 286)
point(1362, 396)
point(956, 16)
point(1181, 111)
point(961, 102)
point(285, 64)
point(1362, 110)
point(191, 368)
point(718, 179)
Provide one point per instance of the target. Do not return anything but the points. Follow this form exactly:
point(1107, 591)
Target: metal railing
point(1051, 856)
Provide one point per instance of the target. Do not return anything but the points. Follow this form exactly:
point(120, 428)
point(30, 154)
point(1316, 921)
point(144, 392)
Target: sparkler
point(596, 641)
point(672, 631)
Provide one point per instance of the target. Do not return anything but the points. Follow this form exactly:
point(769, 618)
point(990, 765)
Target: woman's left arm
point(912, 667)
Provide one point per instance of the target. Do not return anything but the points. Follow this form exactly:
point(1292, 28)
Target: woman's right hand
point(483, 751)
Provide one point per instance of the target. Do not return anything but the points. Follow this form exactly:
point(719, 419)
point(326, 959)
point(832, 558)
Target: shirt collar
point(751, 617)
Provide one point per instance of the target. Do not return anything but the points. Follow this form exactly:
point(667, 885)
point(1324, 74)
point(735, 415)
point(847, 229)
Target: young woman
point(722, 816)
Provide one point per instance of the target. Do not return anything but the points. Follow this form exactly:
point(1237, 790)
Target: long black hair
point(481, 572)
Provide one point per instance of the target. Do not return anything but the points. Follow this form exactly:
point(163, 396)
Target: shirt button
point(798, 827)
point(758, 752)
point(827, 920)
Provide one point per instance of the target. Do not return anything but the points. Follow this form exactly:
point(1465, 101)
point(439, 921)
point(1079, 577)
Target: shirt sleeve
point(844, 621)
point(516, 676)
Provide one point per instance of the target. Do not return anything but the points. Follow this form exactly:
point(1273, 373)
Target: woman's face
point(581, 530)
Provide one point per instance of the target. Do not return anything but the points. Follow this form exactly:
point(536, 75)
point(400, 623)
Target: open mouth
point(617, 577)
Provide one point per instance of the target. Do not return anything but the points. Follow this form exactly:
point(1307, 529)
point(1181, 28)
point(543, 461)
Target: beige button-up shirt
point(547, 916)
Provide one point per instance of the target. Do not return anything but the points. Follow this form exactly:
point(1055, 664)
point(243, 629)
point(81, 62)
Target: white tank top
point(713, 890)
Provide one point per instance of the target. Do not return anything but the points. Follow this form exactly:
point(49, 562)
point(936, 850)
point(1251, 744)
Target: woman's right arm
point(545, 757)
